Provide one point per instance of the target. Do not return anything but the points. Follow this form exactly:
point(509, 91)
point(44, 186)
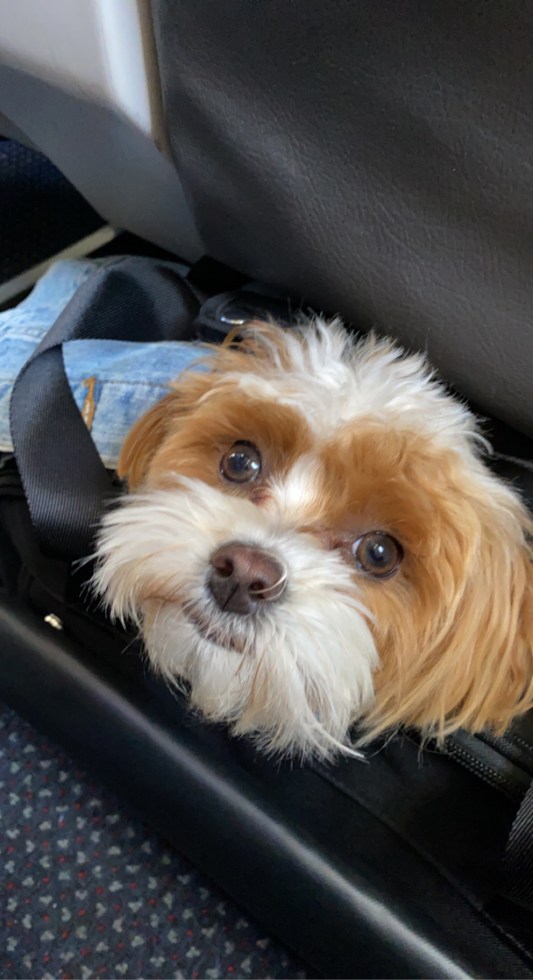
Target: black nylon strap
point(518, 861)
point(65, 482)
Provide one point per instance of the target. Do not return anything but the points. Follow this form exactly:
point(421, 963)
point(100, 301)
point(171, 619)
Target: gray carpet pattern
point(91, 892)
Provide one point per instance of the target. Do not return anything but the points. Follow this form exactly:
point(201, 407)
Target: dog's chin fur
point(295, 675)
point(355, 438)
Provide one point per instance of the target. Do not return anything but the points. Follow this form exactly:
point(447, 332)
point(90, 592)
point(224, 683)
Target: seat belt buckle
point(222, 314)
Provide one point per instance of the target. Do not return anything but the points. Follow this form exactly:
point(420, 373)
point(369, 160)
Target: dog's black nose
point(242, 577)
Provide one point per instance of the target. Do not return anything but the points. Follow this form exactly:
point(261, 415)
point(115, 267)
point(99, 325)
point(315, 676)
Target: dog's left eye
point(378, 553)
point(242, 464)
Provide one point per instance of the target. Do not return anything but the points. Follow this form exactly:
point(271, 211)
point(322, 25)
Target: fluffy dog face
point(312, 539)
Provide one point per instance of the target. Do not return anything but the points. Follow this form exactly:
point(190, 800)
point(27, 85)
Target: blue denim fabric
point(113, 382)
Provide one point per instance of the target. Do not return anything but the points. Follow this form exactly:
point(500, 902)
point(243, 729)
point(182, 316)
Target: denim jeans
point(113, 382)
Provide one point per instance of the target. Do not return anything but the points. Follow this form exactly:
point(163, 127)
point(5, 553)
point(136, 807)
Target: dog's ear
point(485, 675)
point(259, 344)
point(494, 636)
point(263, 341)
point(463, 656)
point(144, 439)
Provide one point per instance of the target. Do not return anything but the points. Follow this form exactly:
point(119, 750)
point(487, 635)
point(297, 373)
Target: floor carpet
point(91, 892)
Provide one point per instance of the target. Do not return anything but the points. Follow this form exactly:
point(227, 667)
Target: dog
point(312, 539)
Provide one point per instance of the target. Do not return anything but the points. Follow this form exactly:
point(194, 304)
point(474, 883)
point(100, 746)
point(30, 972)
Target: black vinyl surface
point(374, 157)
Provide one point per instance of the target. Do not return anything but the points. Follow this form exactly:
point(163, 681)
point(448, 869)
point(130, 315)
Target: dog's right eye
point(242, 464)
point(378, 553)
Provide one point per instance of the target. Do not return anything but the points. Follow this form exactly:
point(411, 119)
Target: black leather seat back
point(376, 157)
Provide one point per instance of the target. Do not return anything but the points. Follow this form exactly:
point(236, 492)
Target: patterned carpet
point(90, 892)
